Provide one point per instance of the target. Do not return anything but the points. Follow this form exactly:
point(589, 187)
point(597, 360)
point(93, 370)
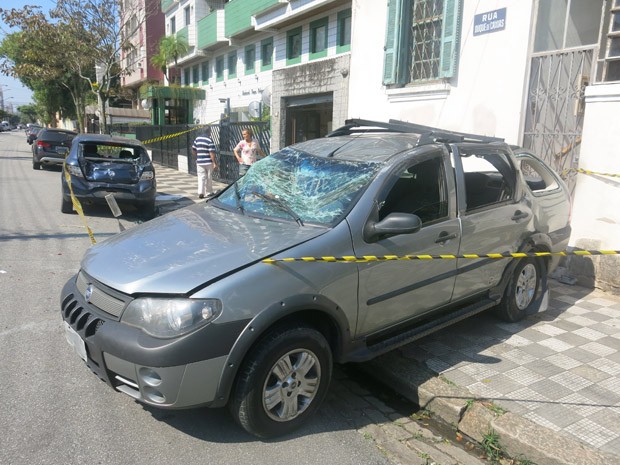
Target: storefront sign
point(492, 21)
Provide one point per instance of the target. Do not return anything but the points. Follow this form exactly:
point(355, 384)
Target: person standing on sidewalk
point(204, 150)
point(246, 151)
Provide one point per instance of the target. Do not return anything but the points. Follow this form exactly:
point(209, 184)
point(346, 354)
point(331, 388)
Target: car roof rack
point(427, 134)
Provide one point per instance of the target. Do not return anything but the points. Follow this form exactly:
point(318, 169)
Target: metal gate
point(555, 107)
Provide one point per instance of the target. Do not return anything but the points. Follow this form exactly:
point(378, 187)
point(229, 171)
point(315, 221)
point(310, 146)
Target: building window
point(195, 75)
point(318, 39)
point(611, 68)
point(232, 65)
point(187, 76)
point(219, 68)
point(188, 18)
point(344, 32)
point(293, 46)
point(205, 72)
point(266, 54)
point(249, 59)
point(422, 40)
point(566, 24)
point(173, 25)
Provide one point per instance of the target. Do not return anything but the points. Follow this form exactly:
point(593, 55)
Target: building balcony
point(289, 12)
point(239, 13)
point(211, 31)
point(167, 4)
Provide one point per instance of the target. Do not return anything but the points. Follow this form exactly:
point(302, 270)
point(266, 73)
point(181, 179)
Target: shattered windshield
point(297, 186)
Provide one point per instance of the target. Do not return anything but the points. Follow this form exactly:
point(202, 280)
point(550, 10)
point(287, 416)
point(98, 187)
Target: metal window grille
point(426, 39)
point(612, 65)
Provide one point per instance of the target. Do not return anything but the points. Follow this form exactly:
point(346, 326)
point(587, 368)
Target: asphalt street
point(53, 410)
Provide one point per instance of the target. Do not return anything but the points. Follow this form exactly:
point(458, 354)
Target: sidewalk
point(548, 385)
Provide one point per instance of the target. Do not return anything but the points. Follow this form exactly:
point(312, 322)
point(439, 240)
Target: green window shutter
point(392, 42)
point(450, 34)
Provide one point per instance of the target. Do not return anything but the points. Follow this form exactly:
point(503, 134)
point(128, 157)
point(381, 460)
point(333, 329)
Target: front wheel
point(522, 290)
point(282, 382)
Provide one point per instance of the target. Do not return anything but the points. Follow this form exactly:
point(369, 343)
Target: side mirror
point(391, 225)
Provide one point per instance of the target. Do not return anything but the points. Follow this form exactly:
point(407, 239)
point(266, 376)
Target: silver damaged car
point(225, 302)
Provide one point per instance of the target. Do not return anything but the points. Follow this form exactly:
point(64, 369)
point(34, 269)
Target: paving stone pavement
point(559, 369)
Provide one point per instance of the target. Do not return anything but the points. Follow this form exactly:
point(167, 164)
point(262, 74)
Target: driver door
point(391, 292)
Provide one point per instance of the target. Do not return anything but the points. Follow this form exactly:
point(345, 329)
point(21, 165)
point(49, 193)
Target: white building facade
point(544, 74)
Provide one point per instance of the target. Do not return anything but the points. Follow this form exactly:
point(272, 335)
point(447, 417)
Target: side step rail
point(421, 331)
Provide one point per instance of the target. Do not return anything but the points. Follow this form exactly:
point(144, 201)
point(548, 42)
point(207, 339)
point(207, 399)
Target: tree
point(101, 29)
point(28, 112)
point(171, 48)
point(39, 55)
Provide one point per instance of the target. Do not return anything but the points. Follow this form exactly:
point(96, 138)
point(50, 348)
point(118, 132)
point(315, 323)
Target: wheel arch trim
point(308, 307)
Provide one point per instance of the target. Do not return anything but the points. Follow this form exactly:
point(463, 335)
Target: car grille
point(80, 319)
point(99, 298)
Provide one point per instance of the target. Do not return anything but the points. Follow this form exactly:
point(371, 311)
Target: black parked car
point(31, 133)
point(51, 146)
point(99, 165)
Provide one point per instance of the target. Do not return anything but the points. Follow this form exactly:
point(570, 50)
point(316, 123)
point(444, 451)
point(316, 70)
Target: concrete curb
point(453, 405)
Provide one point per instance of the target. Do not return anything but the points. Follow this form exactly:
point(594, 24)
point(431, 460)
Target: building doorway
point(561, 66)
point(308, 117)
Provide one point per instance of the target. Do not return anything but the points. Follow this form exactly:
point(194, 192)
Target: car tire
point(66, 206)
point(36, 165)
point(282, 382)
point(522, 291)
point(148, 210)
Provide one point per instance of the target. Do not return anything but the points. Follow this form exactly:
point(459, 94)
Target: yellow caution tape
point(176, 134)
point(382, 258)
point(77, 206)
point(580, 170)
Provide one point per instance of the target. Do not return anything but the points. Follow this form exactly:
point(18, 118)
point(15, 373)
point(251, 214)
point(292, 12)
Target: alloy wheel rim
point(292, 385)
point(526, 286)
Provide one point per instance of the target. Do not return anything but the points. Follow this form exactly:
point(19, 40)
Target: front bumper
point(168, 373)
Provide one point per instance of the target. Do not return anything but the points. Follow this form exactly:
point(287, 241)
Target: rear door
point(494, 214)
point(394, 291)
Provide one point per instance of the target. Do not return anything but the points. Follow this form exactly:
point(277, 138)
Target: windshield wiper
point(276, 201)
point(238, 199)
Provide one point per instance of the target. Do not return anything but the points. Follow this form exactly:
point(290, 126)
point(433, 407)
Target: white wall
point(596, 205)
point(486, 97)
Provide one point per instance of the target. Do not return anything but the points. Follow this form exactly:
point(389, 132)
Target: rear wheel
point(522, 291)
point(66, 206)
point(148, 210)
point(282, 382)
point(36, 165)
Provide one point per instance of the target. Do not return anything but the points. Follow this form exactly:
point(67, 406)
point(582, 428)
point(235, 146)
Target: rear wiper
point(276, 201)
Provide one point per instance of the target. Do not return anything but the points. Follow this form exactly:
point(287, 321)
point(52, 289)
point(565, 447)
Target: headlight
point(75, 171)
point(170, 317)
point(147, 175)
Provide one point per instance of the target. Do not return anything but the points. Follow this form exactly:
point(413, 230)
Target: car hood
point(182, 250)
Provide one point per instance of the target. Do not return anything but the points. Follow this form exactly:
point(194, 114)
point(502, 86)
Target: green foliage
point(491, 447)
point(171, 48)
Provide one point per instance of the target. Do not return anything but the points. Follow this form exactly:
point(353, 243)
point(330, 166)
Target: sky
point(15, 94)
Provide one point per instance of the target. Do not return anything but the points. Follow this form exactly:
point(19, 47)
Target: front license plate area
point(75, 341)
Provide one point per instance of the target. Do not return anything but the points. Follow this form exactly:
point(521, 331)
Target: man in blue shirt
point(204, 150)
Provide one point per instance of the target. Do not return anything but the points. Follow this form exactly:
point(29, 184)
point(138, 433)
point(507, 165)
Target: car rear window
point(54, 136)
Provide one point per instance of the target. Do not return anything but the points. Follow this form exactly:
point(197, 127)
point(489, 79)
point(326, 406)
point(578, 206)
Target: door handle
point(519, 215)
point(445, 237)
